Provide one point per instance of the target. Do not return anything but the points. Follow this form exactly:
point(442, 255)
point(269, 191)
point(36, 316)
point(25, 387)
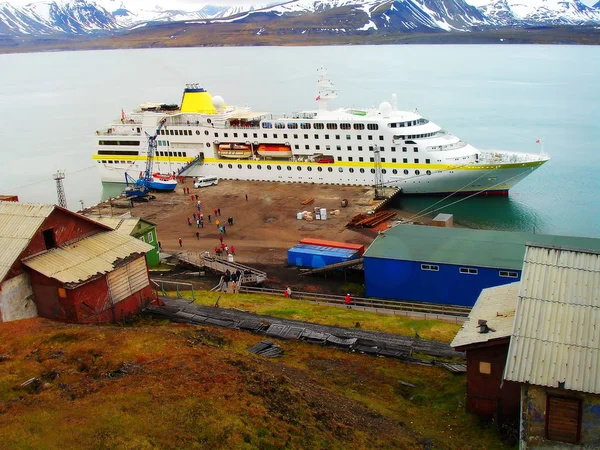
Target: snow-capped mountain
point(79, 17)
point(539, 12)
point(49, 17)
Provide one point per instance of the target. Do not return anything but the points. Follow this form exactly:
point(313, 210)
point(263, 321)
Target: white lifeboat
point(235, 151)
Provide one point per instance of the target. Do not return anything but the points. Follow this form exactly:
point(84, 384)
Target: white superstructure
point(204, 137)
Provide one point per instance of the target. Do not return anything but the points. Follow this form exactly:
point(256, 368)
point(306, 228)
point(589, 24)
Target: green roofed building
point(450, 265)
point(139, 228)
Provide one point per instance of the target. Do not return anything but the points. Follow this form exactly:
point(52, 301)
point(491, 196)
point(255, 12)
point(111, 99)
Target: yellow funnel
point(197, 100)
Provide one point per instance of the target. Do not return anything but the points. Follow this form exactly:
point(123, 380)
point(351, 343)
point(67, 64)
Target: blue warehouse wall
point(405, 280)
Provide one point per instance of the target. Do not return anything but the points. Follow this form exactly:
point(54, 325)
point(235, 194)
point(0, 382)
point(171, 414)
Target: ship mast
point(325, 90)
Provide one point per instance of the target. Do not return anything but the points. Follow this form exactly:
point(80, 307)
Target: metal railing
point(431, 311)
point(159, 286)
point(249, 274)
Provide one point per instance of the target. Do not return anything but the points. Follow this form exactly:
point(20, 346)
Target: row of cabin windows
point(414, 136)
point(320, 169)
point(128, 143)
point(119, 152)
point(360, 149)
point(469, 271)
point(320, 126)
point(174, 154)
point(164, 132)
point(410, 123)
point(180, 154)
point(285, 136)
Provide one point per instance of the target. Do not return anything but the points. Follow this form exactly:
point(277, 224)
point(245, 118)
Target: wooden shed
point(485, 337)
point(64, 266)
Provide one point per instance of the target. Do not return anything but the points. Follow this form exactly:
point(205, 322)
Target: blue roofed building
point(450, 265)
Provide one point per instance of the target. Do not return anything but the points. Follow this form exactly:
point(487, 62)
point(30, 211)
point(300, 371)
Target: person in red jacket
point(347, 301)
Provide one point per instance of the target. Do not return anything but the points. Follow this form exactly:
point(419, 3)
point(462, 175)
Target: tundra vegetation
point(159, 385)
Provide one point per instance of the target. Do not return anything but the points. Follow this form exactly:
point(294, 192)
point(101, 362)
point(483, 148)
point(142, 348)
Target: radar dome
point(218, 102)
point(385, 109)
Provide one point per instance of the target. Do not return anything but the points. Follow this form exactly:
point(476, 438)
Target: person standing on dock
point(209, 218)
point(246, 197)
point(215, 211)
point(221, 239)
point(180, 242)
point(189, 222)
point(197, 235)
point(219, 211)
point(232, 250)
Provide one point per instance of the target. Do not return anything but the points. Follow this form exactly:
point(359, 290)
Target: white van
point(206, 181)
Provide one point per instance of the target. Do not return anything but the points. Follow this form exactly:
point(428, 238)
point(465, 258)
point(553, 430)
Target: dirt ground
point(264, 227)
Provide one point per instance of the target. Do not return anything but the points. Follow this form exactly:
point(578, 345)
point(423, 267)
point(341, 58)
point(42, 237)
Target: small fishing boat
point(162, 182)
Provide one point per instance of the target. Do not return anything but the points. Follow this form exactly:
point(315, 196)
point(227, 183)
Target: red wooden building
point(64, 266)
point(485, 338)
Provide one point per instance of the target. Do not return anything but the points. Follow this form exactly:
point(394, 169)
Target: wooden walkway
point(250, 275)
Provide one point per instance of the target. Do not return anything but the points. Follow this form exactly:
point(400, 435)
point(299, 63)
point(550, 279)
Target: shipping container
point(334, 244)
point(314, 256)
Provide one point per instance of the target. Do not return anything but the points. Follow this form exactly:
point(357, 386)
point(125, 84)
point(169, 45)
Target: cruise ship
point(205, 137)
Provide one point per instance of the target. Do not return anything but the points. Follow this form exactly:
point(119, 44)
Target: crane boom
point(151, 151)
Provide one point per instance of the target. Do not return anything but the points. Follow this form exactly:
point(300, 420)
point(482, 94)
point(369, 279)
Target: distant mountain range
point(109, 17)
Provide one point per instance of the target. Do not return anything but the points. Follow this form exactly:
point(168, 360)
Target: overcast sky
point(192, 5)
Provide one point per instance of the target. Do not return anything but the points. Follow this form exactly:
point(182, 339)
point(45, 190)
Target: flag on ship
point(318, 98)
point(538, 141)
point(122, 115)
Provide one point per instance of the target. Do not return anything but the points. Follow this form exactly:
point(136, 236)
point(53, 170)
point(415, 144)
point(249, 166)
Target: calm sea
point(501, 96)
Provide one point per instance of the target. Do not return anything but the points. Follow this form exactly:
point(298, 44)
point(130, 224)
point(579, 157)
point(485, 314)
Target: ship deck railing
point(491, 157)
point(117, 132)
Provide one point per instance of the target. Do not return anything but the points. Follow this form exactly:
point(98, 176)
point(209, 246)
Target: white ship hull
point(345, 146)
point(499, 181)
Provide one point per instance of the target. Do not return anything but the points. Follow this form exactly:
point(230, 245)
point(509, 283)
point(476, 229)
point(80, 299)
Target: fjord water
point(493, 96)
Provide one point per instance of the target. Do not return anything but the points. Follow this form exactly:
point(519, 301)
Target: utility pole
point(379, 192)
point(60, 190)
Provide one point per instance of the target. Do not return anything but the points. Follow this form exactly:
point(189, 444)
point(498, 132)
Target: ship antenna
point(325, 90)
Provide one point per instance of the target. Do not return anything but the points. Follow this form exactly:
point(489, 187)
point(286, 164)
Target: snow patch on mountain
point(538, 12)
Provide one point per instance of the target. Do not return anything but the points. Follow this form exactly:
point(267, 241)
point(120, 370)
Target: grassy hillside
point(279, 306)
point(157, 385)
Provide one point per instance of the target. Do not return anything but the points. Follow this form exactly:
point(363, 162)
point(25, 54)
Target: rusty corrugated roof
point(81, 260)
point(496, 305)
point(18, 224)
point(556, 333)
